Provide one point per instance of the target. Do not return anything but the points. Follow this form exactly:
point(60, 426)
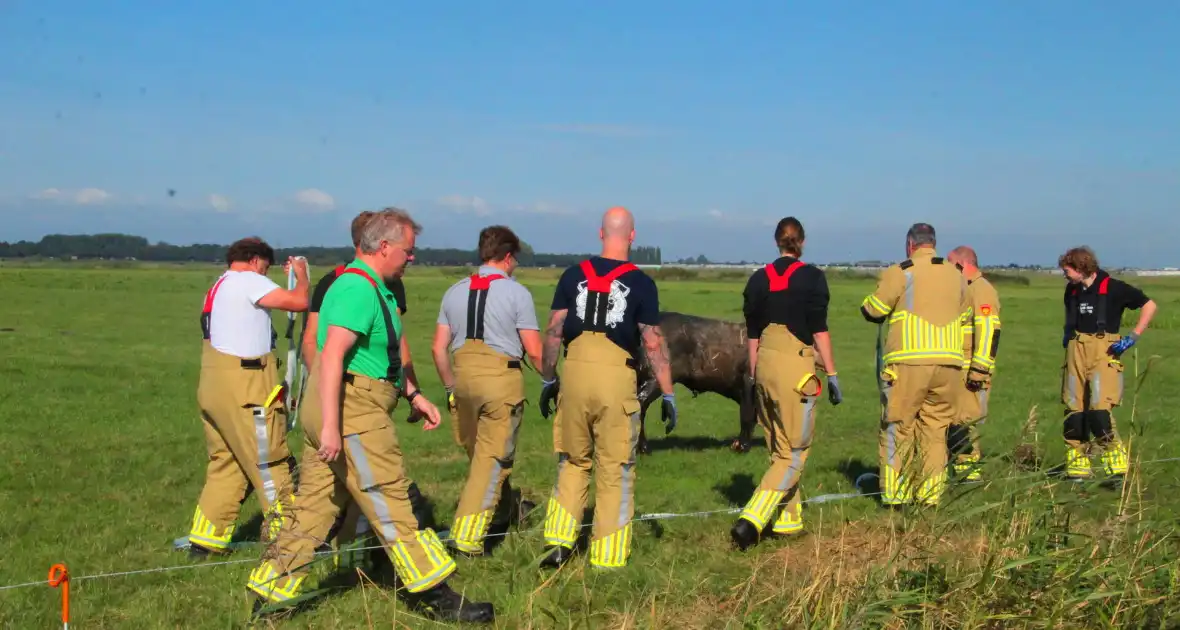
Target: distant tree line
point(128, 247)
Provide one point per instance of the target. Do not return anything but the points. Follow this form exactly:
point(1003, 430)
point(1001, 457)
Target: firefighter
point(240, 397)
point(924, 299)
point(352, 529)
point(351, 450)
point(488, 320)
point(786, 313)
point(981, 341)
point(614, 307)
point(1092, 381)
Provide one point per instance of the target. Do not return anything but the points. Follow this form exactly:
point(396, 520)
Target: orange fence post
point(60, 577)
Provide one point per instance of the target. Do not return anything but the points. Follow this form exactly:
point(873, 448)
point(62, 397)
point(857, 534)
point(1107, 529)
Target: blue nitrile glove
point(669, 408)
point(834, 395)
point(549, 391)
point(1122, 345)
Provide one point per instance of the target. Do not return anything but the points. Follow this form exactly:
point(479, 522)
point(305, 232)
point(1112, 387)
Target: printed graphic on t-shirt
point(616, 304)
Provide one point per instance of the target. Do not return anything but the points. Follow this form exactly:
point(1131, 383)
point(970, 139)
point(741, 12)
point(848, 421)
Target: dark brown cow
point(708, 355)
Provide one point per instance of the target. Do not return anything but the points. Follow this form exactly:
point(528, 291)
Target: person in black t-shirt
point(604, 310)
point(786, 312)
point(1092, 383)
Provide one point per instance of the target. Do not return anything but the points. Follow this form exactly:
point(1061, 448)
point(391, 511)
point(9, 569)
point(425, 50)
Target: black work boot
point(444, 604)
point(557, 556)
point(744, 534)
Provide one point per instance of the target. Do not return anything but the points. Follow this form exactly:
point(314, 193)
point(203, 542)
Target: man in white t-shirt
point(240, 396)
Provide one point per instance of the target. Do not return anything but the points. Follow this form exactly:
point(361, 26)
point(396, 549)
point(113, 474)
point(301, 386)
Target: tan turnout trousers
point(246, 438)
point(489, 394)
point(1091, 387)
point(599, 414)
point(921, 402)
point(972, 413)
point(370, 471)
point(786, 392)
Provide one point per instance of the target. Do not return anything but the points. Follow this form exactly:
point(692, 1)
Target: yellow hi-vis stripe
point(1077, 464)
point(1114, 459)
point(789, 521)
point(469, 531)
point(761, 507)
point(931, 490)
point(561, 528)
point(923, 340)
point(439, 563)
point(893, 491)
point(265, 580)
point(875, 303)
point(204, 533)
point(613, 550)
point(983, 346)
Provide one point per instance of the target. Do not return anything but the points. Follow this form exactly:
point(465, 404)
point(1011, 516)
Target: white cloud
point(715, 213)
point(475, 205)
point(220, 203)
point(315, 198)
point(83, 197)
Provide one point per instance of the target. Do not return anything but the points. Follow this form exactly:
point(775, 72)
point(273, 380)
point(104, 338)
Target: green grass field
point(104, 457)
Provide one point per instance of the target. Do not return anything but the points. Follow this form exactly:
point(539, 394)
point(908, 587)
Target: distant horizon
point(667, 261)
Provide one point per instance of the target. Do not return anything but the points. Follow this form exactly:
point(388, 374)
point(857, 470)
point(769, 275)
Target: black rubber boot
point(444, 604)
point(420, 507)
point(557, 556)
point(744, 534)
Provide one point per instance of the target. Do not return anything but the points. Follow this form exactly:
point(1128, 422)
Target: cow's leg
point(747, 418)
point(642, 447)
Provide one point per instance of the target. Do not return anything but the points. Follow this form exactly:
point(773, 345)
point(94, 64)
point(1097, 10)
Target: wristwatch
point(411, 397)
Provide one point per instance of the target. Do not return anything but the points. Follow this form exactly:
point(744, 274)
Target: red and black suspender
point(207, 310)
point(780, 283)
point(598, 294)
point(477, 299)
point(394, 345)
point(1071, 313)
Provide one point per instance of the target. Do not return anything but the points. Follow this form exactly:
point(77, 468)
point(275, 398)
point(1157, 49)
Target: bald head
point(617, 233)
point(963, 255)
point(617, 223)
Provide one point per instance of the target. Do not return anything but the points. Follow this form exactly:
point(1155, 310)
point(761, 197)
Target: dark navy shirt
point(633, 300)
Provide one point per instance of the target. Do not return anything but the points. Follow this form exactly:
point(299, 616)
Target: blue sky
point(1019, 127)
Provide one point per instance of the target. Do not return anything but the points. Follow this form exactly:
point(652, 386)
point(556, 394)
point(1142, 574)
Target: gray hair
point(389, 224)
point(921, 234)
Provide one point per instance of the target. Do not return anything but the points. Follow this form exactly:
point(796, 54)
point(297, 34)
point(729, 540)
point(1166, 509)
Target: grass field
point(104, 457)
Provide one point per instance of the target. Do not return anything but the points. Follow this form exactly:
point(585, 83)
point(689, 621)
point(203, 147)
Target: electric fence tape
point(655, 516)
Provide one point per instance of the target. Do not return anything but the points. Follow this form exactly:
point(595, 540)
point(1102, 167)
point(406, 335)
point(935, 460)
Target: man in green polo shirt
point(354, 385)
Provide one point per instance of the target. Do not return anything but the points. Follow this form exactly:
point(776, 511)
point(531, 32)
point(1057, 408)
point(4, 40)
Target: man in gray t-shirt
point(486, 322)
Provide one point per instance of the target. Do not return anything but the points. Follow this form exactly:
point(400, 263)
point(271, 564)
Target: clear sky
point(1019, 127)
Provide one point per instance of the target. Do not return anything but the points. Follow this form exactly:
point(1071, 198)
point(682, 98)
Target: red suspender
point(207, 309)
point(477, 299)
point(780, 283)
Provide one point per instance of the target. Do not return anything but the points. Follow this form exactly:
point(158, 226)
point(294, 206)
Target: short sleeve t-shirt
point(321, 290)
point(352, 303)
point(633, 300)
point(509, 308)
point(1120, 296)
point(238, 326)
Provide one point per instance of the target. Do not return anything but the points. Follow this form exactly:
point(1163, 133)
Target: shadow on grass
point(855, 469)
point(696, 443)
point(738, 490)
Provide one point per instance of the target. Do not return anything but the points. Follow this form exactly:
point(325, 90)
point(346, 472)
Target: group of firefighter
point(353, 487)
